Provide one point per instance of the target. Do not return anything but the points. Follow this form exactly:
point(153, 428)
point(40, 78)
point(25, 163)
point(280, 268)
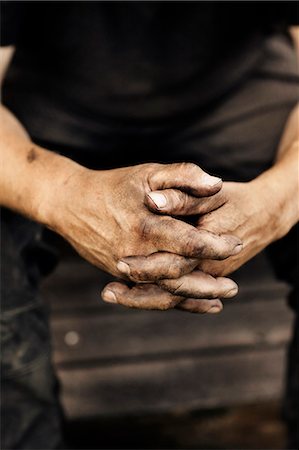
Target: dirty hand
point(251, 213)
point(199, 291)
point(104, 215)
point(248, 211)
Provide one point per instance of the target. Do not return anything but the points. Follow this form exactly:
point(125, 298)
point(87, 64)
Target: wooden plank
point(75, 285)
point(114, 360)
point(144, 334)
point(185, 383)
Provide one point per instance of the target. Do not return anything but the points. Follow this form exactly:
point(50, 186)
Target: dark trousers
point(30, 410)
point(235, 138)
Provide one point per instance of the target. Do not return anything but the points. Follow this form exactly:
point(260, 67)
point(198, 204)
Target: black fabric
point(284, 257)
point(84, 62)
point(15, 14)
point(12, 15)
point(31, 416)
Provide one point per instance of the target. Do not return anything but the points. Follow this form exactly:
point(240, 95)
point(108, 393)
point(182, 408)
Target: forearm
point(283, 178)
point(281, 181)
point(29, 175)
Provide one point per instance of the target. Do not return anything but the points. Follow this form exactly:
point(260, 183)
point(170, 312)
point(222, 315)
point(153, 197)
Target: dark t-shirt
point(81, 64)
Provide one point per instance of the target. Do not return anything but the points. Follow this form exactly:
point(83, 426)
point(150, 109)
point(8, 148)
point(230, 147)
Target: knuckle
point(137, 274)
point(212, 288)
point(178, 200)
point(179, 289)
point(154, 171)
point(194, 170)
point(197, 306)
point(214, 293)
point(168, 304)
point(143, 274)
point(181, 165)
point(186, 203)
point(151, 168)
point(130, 302)
point(175, 287)
point(144, 228)
point(188, 168)
point(154, 166)
point(202, 205)
point(191, 167)
point(175, 271)
point(213, 245)
point(194, 245)
point(204, 307)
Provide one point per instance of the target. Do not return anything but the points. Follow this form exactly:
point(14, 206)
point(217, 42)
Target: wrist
point(50, 188)
point(277, 189)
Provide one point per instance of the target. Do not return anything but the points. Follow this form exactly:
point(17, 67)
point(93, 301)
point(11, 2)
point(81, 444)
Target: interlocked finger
point(141, 296)
point(201, 285)
point(201, 306)
point(156, 266)
point(151, 297)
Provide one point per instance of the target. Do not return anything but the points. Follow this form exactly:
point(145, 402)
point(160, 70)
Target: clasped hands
point(171, 232)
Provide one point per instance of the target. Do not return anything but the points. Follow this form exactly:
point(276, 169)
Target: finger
point(176, 202)
point(156, 266)
point(141, 296)
point(201, 306)
point(175, 236)
point(201, 285)
point(187, 177)
point(150, 297)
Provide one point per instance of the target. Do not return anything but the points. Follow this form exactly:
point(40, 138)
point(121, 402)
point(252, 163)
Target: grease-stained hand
point(176, 285)
point(104, 215)
point(250, 213)
point(247, 211)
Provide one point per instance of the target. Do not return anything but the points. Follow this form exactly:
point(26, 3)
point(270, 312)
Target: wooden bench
point(115, 361)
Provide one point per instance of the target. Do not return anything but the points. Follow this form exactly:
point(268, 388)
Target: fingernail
point(123, 267)
point(109, 296)
point(210, 181)
point(159, 199)
point(214, 310)
point(231, 292)
point(237, 249)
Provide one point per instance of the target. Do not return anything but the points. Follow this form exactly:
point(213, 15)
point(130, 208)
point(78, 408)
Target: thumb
point(187, 177)
point(178, 203)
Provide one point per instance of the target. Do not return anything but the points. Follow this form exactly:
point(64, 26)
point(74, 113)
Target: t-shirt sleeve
point(12, 17)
